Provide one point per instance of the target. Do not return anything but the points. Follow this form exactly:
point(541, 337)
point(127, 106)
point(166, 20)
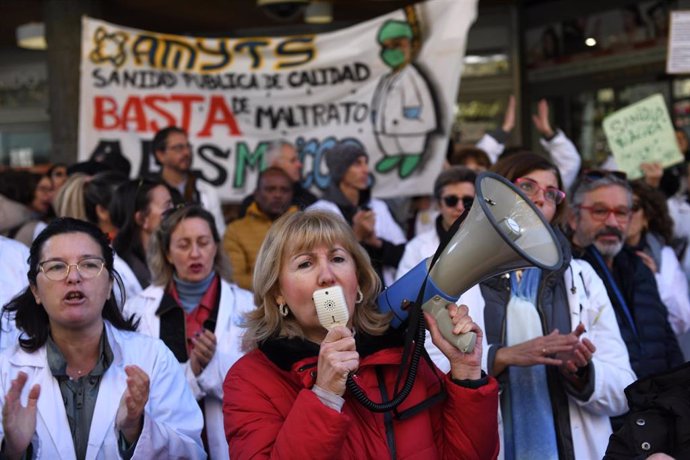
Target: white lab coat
point(679, 210)
point(13, 280)
point(129, 280)
point(397, 131)
point(208, 196)
point(589, 420)
point(673, 290)
point(172, 419)
point(13, 268)
point(590, 304)
point(234, 303)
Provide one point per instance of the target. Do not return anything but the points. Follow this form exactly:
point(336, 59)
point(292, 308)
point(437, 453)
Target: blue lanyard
point(614, 287)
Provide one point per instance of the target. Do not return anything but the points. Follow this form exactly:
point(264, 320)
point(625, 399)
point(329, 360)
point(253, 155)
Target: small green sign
point(642, 133)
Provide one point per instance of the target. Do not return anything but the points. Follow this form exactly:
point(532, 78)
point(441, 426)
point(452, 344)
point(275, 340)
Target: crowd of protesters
point(243, 368)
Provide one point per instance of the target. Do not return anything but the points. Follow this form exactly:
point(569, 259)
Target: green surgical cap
point(394, 29)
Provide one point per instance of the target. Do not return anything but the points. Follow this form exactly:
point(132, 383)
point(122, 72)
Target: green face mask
point(393, 57)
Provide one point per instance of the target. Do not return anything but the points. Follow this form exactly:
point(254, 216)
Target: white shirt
point(13, 280)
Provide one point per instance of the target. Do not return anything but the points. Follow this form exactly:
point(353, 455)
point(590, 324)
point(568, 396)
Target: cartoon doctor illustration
point(403, 110)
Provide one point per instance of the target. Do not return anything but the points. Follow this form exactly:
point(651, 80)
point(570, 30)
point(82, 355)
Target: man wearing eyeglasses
point(174, 153)
point(599, 219)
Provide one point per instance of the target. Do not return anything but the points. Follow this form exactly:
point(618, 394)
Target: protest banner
point(642, 133)
point(678, 50)
point(389, 84)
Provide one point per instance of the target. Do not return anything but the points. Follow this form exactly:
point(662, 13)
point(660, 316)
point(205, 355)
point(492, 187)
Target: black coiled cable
point(416, 320)
point(362, 398)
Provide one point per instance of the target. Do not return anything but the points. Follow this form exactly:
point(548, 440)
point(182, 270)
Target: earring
point(283, 309)
point(360, 296)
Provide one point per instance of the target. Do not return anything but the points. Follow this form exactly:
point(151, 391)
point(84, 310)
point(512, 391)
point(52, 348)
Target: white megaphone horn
point(503, 231)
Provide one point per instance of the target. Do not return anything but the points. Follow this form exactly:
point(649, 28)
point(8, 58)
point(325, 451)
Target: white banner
point(389, 83)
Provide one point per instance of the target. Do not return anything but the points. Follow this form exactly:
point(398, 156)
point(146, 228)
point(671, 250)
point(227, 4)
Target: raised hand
point(509, 117)
point(129, 419)
point(541, 119)
point(652, 173)
point(462, 365)
point(203, 351)
point(338, 357)
point(19, 422)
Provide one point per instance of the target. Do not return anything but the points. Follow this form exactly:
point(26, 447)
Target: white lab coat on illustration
point(403, 112)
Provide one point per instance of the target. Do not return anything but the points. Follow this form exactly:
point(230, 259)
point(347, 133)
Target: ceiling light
point(590, 41)
point(318, 13)
point(32, 36)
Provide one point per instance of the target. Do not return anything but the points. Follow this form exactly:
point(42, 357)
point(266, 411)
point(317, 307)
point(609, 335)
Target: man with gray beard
point(598, 220)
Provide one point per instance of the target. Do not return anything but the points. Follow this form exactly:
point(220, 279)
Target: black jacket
point(659, 418)
point(651, 343)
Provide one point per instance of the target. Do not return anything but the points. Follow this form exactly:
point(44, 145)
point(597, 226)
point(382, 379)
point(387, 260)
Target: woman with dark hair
point(650, 231)
point(82, 369)
point(194, 308)
point(287, 397)
point(25, 203)
point(554, 342)
point(98, 194)
point(58, 174)
point(136, 210)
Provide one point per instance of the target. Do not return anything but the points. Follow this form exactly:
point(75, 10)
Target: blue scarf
point(191, 293)
point(529, 428)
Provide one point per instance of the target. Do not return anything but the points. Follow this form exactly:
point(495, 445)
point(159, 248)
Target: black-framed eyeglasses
point(596, 174)
point(531, 187)
point(57, 270)
point(452, 201)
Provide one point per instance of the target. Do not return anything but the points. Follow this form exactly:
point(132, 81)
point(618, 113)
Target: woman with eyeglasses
point(554, 342)
point(79, 383)
point(649, 232)
point(193, 307)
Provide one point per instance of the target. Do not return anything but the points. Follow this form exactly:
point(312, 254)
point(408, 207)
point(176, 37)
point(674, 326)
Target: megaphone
point(503, 231)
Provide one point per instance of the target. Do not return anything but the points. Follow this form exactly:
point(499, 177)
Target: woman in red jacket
point(286, 398)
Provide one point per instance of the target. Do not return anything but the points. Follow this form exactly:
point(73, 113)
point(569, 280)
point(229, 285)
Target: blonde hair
point(69, 200)
point(296, 232)
point(159, 245)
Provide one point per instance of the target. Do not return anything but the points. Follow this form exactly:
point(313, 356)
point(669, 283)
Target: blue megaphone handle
point(407, 288)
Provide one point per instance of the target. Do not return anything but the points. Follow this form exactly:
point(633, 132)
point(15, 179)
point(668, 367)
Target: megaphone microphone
point(503, 231)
